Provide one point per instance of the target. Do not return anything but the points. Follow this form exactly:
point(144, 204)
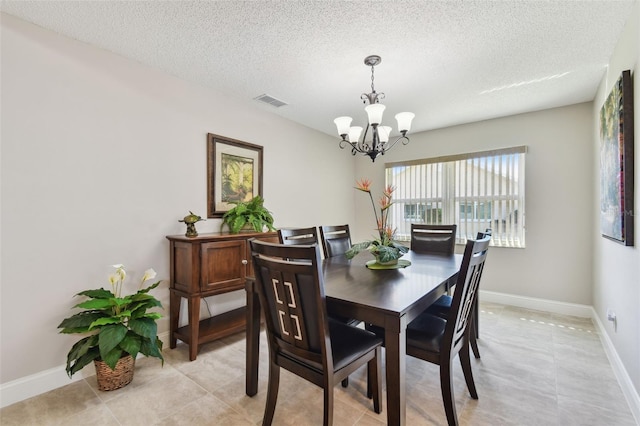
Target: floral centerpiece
point(120, 326)
point(384, 248)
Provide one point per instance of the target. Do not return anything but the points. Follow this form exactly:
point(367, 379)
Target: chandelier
point(379, 142)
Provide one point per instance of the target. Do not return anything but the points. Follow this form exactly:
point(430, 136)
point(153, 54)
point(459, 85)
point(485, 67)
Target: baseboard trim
point(629, 391)
point(44, 381)
point(545, 305)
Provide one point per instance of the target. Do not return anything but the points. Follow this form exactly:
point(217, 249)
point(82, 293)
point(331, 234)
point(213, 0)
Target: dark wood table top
point(393, 291)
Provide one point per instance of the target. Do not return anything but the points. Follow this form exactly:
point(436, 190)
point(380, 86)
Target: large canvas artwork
point(234, 173)
point(616, 163)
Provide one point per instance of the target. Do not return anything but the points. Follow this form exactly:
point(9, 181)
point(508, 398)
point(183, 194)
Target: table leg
point(395, 352)
point(194, 326)
point(253, 339)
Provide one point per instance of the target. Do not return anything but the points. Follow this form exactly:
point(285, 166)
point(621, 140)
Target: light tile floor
point(536, 369)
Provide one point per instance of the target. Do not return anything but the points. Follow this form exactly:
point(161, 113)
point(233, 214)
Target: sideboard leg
point(194, 326)
point(174, 316)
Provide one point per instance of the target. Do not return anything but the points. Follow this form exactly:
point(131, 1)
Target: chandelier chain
point(373, 90)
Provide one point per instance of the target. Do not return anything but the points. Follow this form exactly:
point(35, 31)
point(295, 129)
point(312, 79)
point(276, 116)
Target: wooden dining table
point(389, 298)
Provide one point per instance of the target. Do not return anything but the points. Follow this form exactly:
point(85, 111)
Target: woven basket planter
point(109, 379)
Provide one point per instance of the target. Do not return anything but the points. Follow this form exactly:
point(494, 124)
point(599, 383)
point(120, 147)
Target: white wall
point(100, 158)
point(556, 262)
point(616, 267)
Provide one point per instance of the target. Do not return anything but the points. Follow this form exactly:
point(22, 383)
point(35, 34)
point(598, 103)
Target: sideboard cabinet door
point(223, 268)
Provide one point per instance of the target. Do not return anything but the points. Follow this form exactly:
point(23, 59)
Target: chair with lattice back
point(438, 340)
point(301, 337)
point(308, 236)
point(442, 306)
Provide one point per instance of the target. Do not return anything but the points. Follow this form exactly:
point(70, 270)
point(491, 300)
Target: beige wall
point(100, 158)
point(555, 263)
point(616, 267)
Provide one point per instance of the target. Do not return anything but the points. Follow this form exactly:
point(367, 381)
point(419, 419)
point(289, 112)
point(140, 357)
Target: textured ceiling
point(449, 62)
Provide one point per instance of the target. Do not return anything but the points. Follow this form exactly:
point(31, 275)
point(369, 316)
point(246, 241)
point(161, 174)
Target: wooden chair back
point(298, 236)
point(288, 282)
point(336, 240)
point(433, 238)
point(465, 293)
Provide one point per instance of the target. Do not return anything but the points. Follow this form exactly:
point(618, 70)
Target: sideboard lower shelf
point(215, 327)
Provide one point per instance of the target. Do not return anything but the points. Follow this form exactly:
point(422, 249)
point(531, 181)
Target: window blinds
point(476, 191)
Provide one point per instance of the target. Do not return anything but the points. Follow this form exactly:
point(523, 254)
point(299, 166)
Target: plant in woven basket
point(118, 325)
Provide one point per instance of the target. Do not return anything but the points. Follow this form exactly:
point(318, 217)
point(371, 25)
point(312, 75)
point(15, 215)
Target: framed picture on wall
point(616, 163)
point(234, 173)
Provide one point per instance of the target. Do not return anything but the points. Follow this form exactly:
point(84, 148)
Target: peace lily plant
point(384, 248)
point(119, 325)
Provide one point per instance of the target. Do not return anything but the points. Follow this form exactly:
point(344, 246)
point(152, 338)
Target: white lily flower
point(149, 274)
point(113, 279)
point(120, 271)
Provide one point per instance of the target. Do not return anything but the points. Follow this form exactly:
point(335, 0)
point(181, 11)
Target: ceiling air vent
point(267, 99)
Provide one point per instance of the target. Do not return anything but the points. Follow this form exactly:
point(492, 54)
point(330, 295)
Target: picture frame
point(616, 163)
point(234, 173)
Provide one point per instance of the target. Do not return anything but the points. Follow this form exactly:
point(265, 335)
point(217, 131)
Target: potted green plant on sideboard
point(251, 214)
point(119, 326)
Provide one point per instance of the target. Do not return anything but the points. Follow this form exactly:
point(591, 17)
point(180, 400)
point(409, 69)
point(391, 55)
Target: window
point(475, 191)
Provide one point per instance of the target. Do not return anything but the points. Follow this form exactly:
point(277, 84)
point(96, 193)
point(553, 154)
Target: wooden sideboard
point(203, 266)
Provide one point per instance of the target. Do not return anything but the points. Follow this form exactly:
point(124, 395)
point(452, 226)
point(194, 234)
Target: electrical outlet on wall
point(611, 316)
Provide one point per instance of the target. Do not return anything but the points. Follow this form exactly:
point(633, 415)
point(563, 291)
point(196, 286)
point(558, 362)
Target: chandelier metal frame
point(379, 143)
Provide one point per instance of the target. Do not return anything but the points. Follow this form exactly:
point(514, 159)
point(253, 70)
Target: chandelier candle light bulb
point(379, 143)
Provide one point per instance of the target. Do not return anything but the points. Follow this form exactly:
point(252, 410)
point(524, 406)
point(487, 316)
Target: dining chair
point(336, 240)
point(433, 238)
point(438, 340)
point(308, 236)
point(442, 306)
point(301, 337)
point(298, 236)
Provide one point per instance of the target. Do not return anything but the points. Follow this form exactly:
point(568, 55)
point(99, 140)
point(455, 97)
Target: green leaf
point(152, 348)
point(96, 304)
point(99, 293)
point(146, 290)
point(141, 296)
point(109, 337)
point(79, 321)
point(237, 224)
point(121, 301)
point(152, 315)
point(145, 327)
point(105, 321)
point(81, 347)
point(131, 344)
point(85, 359)
point(112, 358)
point(357, 248)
